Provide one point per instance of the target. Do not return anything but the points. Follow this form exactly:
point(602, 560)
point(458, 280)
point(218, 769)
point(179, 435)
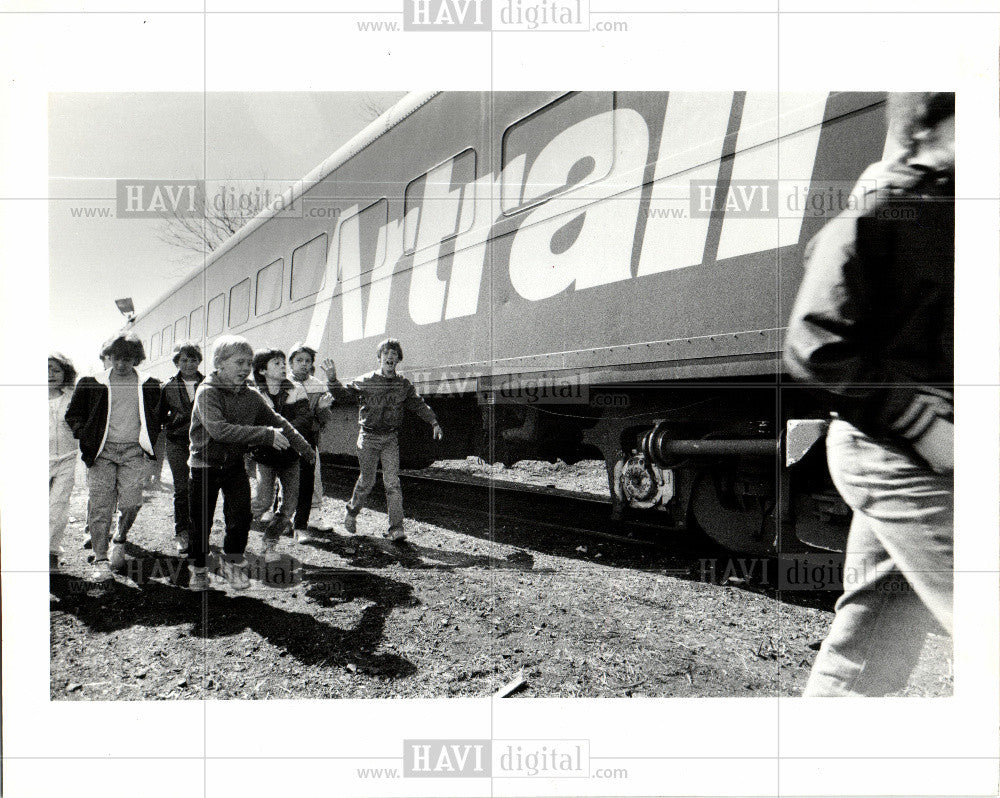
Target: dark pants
point(177, 457)
point(205, 486)
point(307, 473)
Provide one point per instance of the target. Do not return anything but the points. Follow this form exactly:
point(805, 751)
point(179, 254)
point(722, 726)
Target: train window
point(440, 203)
point(154, 346)
point(197, 323)
point(166, 344)
point(567, 144)
point(269, 287)
point(216, 313)
point(239, 303)
point(309, 267)
point(361, 248)
point(181, 329)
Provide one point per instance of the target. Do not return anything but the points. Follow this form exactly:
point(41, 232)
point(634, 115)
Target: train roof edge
point(366, 136)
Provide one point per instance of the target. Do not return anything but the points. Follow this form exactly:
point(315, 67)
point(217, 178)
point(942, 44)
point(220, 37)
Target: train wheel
point(741, 523)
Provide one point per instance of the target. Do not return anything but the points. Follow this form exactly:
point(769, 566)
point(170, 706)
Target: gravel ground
point(461, 609)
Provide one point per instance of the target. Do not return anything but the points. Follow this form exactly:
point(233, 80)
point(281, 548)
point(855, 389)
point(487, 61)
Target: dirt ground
point(462, 609)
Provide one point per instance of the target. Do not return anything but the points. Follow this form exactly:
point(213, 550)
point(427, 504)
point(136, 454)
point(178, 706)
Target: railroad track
point(558, 511)
point(564, 524)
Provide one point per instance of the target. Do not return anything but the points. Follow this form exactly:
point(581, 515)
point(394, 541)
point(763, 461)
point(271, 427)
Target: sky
point(95, 139)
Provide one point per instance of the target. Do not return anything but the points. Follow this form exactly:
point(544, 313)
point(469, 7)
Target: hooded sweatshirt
point(228, 419)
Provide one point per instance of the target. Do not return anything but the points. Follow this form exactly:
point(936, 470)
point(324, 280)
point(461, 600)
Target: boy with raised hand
point(113, 415)
point(228, 417)
point(382, 397)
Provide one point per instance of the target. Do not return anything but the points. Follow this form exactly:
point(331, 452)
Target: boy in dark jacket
point(382, 395)
point(174, 412)
point(291, 401)
point(113, 415)
point(871, 331)
point(229, 417)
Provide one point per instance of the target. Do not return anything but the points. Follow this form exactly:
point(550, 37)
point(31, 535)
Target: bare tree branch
point(215, 218)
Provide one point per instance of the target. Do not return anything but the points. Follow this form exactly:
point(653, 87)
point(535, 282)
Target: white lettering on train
point(583, 237)
point(694, 131)
point(576, 240)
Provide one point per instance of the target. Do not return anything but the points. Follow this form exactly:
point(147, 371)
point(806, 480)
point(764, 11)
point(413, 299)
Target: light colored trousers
point(373, 447)
point(62, 475)
point(898, 568)
point(115, 478)
point(263, 489)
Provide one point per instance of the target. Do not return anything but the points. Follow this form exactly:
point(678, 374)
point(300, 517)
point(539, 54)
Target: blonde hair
point(226, 346)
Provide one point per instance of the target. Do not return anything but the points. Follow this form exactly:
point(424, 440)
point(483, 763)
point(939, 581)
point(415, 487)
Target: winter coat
point(90, 409)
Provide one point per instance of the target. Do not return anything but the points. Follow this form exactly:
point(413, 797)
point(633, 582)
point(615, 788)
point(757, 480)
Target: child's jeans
point(307, 484)
point(373, 447)
point(898, 568)
point(62, 474)
point(204, 493)
point(177, 459)
point(263, 489)
point(115, 477)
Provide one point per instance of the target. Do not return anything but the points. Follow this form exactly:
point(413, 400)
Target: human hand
point(325, 401)
point(438, 432)
point(280, 441)
point(330, 368)
point(311, 457)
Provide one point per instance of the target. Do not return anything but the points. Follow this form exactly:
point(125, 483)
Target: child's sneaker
point(235, 573)
point(199, 579)
point(396, 534)
point(116, 557)
point(351, 523)
point(101, 572)
point(304, 536)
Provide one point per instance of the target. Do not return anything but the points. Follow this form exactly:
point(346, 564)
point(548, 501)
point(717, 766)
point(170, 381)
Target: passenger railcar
point(573, 275)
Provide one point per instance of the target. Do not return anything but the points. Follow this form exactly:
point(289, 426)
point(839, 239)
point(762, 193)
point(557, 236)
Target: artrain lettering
point(694, 130)
point(579, 240)
point(584, 238)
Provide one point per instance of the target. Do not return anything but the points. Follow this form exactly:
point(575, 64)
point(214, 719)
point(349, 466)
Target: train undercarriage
point(743, 462)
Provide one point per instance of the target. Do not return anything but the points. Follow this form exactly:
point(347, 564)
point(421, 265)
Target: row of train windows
point(307, 278)
point(435, 209)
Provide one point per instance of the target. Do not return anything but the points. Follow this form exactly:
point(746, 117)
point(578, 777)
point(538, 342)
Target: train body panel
point(629, 241)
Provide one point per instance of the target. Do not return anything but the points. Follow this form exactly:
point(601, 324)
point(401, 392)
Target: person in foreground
point(382, 396)
point(872, 330)
point(228, 417)
point(113, 416)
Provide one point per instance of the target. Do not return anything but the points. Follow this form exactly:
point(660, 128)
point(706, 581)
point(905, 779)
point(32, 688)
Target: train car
point(574, 275)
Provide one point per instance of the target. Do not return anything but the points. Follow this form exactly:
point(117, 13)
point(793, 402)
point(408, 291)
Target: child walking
point(289, 400)
point(229, 417)
point(63, 451)
point(113, 415)
point(383, 395)
point(174, 412)
point(302, 360)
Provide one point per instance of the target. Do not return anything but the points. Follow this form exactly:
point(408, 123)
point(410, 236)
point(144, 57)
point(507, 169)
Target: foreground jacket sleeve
point(348, 394)
point(208, 410)
point(829, 345)
point(80, 404)
point(415, 403)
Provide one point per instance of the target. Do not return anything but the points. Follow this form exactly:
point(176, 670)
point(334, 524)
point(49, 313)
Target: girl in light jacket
point(63, 451)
